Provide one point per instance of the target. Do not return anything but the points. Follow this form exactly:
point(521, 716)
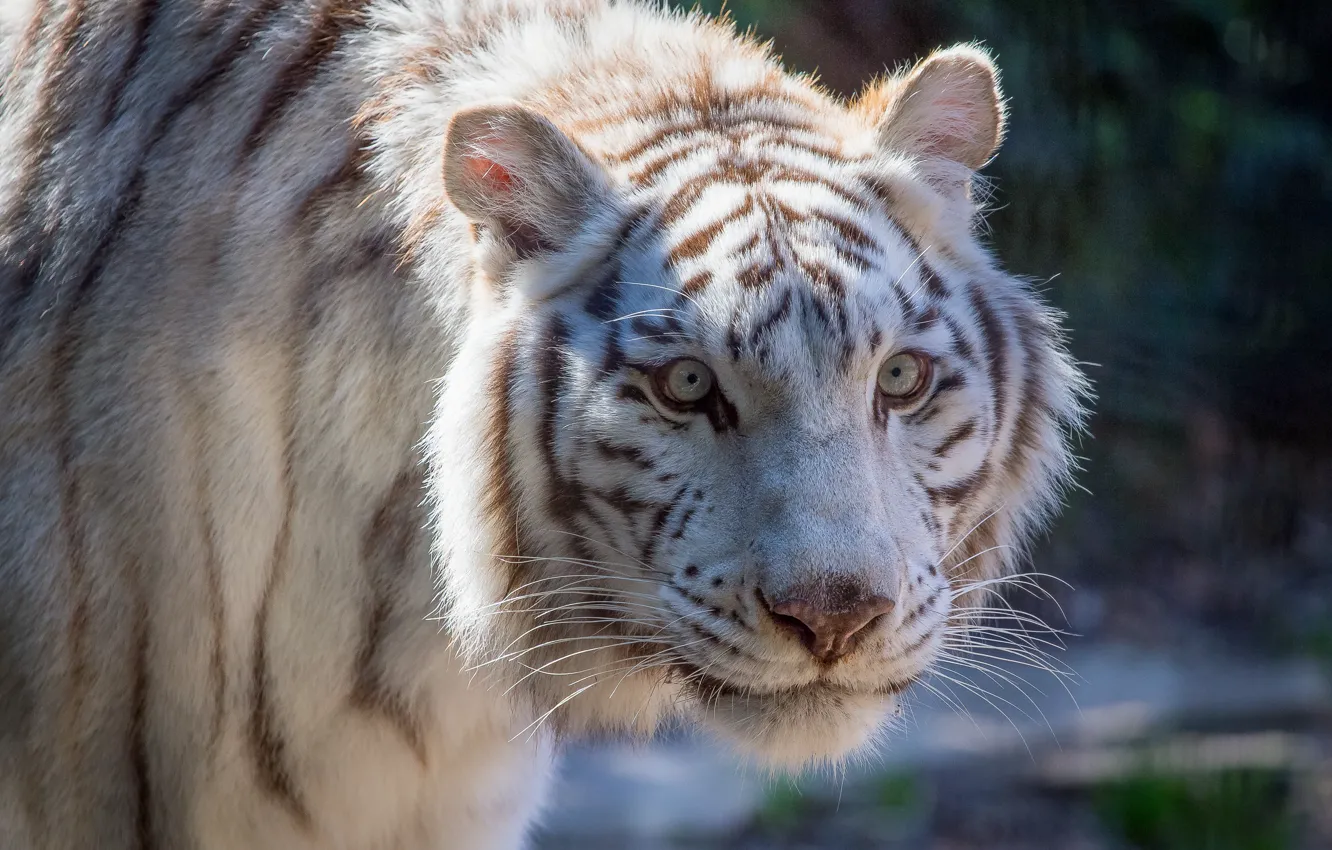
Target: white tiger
point(392, 389)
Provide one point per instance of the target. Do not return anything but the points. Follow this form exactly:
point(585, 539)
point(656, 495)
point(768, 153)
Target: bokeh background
point(1168, 178)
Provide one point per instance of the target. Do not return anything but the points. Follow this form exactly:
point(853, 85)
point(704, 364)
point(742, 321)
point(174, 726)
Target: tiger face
point(746, 420)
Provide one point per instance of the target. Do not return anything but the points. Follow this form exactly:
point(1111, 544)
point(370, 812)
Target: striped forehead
point(748, 234)
point(773, 246)
point(786, 279)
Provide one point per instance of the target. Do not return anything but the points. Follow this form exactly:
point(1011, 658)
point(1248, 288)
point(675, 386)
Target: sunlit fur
point(336, 489)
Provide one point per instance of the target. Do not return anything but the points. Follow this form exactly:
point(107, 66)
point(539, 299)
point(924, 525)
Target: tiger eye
point(904, 376)
point(685, 381)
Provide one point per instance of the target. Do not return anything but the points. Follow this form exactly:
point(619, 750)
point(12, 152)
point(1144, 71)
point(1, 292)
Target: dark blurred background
point(1167, 178)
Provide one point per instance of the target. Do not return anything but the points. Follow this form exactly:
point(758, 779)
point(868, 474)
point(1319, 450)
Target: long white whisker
point(505, 655)
point(972, 687)
point(1012, 680)
point(1012, 655)
point(940, 561)
point(672, 290)
point(654, 312)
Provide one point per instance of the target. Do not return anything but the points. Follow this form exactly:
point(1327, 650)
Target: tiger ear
point(946, 112)
point(512, 170)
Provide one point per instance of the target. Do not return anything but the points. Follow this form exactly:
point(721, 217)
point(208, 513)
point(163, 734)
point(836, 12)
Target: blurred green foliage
point(898, 794)
point(1233, 810)
point(784, 806)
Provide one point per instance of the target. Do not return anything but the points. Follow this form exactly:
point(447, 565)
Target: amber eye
point(685, 381)
point(903, 377)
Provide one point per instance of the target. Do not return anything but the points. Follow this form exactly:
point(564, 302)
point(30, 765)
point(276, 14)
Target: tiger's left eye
point(904, 376)
point(685, 381)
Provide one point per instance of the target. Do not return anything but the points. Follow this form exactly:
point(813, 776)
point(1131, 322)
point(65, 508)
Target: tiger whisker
point(606, 621)
point(545, 594)
point(968, 587)
point(637, 561)
point(1012, 680)
point(944, 557)
point(606, 644)
point(1063, 677)
point(670, 289)
point(1028, 638)
point(653, 312)
point(972, 687)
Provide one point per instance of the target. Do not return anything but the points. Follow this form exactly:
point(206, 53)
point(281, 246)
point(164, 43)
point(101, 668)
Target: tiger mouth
point(708, 689)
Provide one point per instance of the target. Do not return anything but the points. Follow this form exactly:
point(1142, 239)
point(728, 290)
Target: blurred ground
point(1146, 749)
point(1168, 178)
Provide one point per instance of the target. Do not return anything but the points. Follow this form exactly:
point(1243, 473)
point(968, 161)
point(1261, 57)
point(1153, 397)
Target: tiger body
point(333, 468)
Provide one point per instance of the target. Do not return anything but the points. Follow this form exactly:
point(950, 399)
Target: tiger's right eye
point(903, 377)
point(685, 381)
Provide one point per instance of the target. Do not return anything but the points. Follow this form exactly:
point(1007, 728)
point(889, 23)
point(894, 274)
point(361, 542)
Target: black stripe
point(145, 13)
point(958, 435)
point(604, 301)
point(628, 454)
point(267, 746)
point(199, 416)
point(619, 498)
point(343, 176)
point(683, 523)
point(552, 390)
point(629, 392)
point(934, 285)
point(652, 327)
point(721, 414)
point(961, 344)
point(996, 344)
point(386, 548)
point(144, 831)
point(297, 75)
point(766, 324)
point(950, 383)
point(565, 496)
point(960, 491)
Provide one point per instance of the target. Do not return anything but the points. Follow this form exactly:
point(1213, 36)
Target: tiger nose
point(829, 629)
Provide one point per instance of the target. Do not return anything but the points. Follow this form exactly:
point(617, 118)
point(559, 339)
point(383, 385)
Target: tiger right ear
point(945, 112)
point(511, 169)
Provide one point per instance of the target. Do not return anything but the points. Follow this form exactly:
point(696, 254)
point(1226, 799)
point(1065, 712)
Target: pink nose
point(829, 631)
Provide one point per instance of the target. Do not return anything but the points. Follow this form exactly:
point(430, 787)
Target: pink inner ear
point(496, 178)
point(952, 126)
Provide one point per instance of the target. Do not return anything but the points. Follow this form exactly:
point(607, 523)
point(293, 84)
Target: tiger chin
point(392, 391)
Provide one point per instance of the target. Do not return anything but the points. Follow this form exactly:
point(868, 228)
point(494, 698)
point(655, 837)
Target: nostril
point(828, 632)
point(794, 624)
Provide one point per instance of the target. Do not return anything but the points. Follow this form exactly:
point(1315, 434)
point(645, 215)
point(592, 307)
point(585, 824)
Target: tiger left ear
point(945, 112)
point(510, 169)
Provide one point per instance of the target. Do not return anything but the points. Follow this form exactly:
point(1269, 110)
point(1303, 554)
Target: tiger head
point(744, 419)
